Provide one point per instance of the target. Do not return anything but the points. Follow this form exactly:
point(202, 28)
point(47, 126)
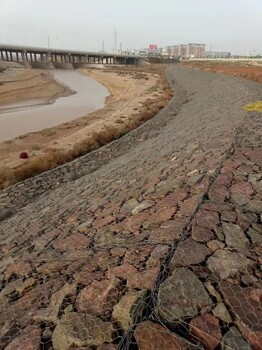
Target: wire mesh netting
point(160, 251)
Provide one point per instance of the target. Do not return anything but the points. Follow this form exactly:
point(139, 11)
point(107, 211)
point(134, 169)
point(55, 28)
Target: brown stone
point(76, 241)
point(157, 255)
point(189, 206)
point(29, 339)
point(144, 280)
point(161, 215)
point(206, 327)
point(50, 314)
point(99, 298)
point(169, 232)
point(255, 155)
point(171, 200)
point(49, 268)
point(107, 347)
point(224, 179)
point(130, 308)
point(81, 330)
point(98, 223)
point(256, 295)
point(218, 193)
point(135, 222)
point(230, 165)
point(19, 268)
point(27, 284)
point(207, 218)
point(202, 234)
point(246, 311)
point(138, 255)
point(152, 336)
point(215, 245)
point(22, 309)
point(229, 215)
point(242, 187)
point(189, 252)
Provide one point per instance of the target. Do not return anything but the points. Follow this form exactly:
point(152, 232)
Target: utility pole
point(103, 46)
point(48, 39)
point(115, 48)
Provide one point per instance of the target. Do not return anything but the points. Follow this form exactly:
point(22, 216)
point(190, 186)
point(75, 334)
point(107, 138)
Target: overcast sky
point(227, 25)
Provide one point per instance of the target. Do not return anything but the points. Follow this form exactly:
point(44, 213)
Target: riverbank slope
point(155, 244)
point(137, 94)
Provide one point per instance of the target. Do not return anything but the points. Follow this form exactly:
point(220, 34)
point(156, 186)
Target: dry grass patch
point(253, 107)
point(241, 69)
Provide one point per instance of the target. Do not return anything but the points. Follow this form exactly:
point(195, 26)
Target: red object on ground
point(23, 155)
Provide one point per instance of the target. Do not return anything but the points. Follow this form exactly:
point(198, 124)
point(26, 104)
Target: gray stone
point(254, 206)
point(129, 309)
point(143, 206)
point(220, 311)
point(81, 330)
point(181, 296)
point(239, 198)
point(235, 237)
point(6, 213)
point(225, 263)
point(233, 340)
point(188, 253)
point(130, 205)
point(256, 237)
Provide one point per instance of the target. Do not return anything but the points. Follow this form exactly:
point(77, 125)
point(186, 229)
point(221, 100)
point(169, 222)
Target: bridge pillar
point(2, 55)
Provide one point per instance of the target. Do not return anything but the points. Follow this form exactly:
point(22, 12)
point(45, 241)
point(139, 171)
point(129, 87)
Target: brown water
point(32, 115)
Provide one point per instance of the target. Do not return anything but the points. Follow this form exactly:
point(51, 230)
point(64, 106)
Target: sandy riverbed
point(20, 84)
point(132, 92)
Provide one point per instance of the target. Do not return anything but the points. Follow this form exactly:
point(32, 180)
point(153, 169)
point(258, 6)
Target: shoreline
point(136, 95)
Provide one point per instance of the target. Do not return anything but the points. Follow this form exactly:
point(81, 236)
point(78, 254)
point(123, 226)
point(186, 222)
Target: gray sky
point(227, 25)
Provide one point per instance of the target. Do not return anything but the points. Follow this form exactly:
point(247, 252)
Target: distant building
point(183, 51)
point(191, 50)
point(196, 50)
point(213, 54)
point(176, 51)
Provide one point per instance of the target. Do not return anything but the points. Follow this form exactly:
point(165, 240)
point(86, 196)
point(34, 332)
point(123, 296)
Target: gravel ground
point(160, 229)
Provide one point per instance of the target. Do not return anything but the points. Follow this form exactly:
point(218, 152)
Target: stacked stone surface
point(156, 245)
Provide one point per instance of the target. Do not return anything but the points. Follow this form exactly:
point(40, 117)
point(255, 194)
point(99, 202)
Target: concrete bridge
point(54, 58)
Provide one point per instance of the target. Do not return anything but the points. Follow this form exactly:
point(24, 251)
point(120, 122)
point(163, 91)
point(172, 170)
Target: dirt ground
point(135, 96)
point(248, 70)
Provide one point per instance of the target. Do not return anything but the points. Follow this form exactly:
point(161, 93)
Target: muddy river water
point(28, 116)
